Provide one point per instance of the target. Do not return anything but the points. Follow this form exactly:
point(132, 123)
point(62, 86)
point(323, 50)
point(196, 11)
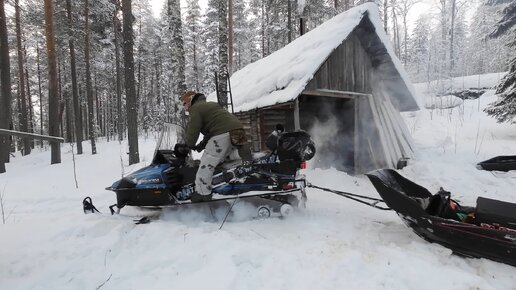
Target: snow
point(283, 75)
point(484, 81)
point(335, 243)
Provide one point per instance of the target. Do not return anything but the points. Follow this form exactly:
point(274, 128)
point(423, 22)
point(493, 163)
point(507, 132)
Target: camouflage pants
point(218, 148)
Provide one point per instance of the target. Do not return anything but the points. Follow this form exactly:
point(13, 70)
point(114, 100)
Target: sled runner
point(485, 231)
point(498, 163)
point(272, 181)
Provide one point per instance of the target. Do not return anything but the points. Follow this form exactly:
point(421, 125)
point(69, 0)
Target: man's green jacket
point(208, 118)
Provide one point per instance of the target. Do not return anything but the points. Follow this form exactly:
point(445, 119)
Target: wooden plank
point(404, 130)
point(393, 138)
point(31, 136)
point(376, 118)
point(406, 150)
point(389, 126)
point(333, 93)
point(356, 138)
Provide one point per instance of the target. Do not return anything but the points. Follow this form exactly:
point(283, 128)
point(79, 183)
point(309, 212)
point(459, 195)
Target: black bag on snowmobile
point(297, 146)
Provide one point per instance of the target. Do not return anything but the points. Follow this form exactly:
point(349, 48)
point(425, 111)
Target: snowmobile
point(487, 230)
point(498, 163)
point(272, 181)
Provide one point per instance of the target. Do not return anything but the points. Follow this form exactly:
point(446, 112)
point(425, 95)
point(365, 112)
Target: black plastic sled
point(498, 163)
point(485, 231)
point(272, 181)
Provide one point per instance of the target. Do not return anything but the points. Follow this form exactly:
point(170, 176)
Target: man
point(272, 140)
point(223, 134)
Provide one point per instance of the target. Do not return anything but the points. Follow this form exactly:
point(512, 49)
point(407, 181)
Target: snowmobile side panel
point(143, 197)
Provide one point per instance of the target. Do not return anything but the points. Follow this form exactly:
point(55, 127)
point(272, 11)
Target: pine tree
point(132, 102)
point(418, 49)
point(24, 113)
point(504, 109)
point(89, 88)
point(177, 49)
point(209, 48)
point(192, 33)
point(244, 35)
point(5, 88)
point(73, 72)
point(53, 107)
point(223, 71)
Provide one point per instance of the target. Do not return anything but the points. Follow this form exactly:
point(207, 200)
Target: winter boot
point(197, 197)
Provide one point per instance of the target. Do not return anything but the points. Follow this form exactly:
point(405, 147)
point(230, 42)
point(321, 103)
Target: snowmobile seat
point(496, 212)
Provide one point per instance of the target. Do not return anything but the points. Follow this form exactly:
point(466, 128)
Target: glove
point(181, 150)
point(199, 147)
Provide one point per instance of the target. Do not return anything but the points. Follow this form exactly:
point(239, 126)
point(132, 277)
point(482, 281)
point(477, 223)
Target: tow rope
point(356, 197)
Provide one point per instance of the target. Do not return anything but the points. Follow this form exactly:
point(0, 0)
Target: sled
point(271, 181)
point(487, 230)
point(498, 163)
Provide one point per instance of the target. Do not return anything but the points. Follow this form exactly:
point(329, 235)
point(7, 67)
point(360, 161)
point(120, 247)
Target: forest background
point(115, 68)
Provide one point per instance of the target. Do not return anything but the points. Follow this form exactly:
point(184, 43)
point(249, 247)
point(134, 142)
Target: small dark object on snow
point(87, 206)
point(498, 163)
point(485, 231)
point(142, 221)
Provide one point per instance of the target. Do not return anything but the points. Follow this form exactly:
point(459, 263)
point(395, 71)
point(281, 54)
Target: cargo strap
point(356, 197)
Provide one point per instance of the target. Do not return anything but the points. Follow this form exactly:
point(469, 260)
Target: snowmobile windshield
point(170, 135)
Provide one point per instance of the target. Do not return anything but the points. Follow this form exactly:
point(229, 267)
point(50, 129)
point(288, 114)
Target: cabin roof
point(283, 75)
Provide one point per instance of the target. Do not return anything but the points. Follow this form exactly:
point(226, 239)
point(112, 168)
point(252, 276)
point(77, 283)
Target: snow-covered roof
point(283, 75)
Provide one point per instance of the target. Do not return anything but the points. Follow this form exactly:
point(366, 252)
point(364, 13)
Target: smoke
point(194, 214)
point(333, 138)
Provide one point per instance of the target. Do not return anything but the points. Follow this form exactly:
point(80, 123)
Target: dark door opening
point(331, 122)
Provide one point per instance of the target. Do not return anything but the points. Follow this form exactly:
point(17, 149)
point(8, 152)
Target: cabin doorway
point(331, 123)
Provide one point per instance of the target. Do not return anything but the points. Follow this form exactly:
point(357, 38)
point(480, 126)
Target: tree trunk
point(60, 94)
point(223, 52)
point(89, 89)
point(53, 101)
point(119, 114)
point(386, 15)
point(29, 98)
point(452, 35)
point(73, 71)
point(40, 95)
point(98, 106)
point(24, 124)
point(230, 37)
point(5, 87)
point(289, 20)
point(132, 104)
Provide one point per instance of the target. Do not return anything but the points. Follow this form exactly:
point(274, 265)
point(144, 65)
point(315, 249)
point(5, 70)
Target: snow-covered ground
point(48, 243)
